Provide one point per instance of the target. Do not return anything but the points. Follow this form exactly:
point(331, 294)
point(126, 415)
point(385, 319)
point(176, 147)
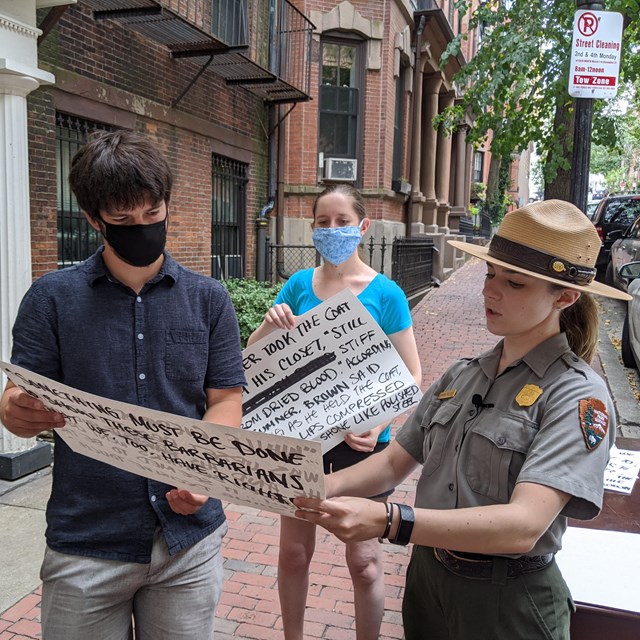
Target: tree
point(515, 87)
point(616, 154)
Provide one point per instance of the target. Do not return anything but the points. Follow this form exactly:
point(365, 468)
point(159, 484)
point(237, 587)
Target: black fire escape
point(261, 45)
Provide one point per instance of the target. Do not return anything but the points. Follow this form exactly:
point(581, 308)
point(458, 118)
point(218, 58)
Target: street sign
point(595, 54)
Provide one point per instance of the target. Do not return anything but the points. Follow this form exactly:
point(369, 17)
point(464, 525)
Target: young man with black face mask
point(133, 325)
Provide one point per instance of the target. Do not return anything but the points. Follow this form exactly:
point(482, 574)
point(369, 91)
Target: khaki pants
point(172, 598)
point(439, 605)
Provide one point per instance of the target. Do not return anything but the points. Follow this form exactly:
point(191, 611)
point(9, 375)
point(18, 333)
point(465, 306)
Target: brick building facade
point(377, 84)
point(109, 76)
point(372, 98)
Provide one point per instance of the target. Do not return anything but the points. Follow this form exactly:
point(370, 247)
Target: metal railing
point(283, 260)
point(412, 264)
point(278, 41)
point(465, 227)
point(425, 5)
point(484, 229)
point(264, 46)
point(77, 239)
point(411, 261)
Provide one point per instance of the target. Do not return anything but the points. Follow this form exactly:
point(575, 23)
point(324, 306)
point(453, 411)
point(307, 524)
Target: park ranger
point(511, 444)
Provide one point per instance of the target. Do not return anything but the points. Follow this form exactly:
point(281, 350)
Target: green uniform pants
point(440, 605)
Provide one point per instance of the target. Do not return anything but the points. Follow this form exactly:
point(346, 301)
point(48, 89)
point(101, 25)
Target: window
point(398, 127)
point(623, 212)
point(339, 124)
point(482, 26)
point(229, 21)
point(228, 218)
point(478, 166)
point(77, 239)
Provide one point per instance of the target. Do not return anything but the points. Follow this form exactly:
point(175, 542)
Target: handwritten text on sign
point(335, 372)
point(257, 470)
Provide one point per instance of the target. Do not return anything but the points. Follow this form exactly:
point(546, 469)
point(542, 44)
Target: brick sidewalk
point(448, 323)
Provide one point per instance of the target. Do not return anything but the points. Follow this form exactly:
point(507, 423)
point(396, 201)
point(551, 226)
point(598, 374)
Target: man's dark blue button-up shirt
point(160, 349)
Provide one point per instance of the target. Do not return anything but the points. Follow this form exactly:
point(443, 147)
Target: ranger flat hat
point(551, 240)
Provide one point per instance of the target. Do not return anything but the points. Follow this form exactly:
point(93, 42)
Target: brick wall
point(375, 166)
point(108, 73)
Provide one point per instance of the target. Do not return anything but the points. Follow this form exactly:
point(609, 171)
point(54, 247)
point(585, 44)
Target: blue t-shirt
point(161, 349)
point(382, 298)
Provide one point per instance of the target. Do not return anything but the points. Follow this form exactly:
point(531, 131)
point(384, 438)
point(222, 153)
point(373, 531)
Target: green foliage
point(518, 79)
point(251, 300)
point(617, 155)
point(478, 191)
point(498, 207)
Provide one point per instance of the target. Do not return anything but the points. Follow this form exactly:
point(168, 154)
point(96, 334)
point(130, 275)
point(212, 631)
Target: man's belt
point(481, 567)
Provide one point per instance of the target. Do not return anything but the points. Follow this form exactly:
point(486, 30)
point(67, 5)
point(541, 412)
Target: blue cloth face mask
point(337, 244)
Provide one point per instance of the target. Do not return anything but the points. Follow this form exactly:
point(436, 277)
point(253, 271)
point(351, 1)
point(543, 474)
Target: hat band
point(519, 255)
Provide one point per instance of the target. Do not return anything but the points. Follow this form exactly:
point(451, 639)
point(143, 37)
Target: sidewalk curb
point(618, 383)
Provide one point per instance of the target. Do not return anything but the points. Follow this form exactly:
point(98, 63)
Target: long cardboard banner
point(258, 470)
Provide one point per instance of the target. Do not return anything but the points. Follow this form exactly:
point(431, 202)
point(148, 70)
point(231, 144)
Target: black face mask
point(137, 244)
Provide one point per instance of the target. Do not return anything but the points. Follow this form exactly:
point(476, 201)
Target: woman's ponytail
point(580, 323)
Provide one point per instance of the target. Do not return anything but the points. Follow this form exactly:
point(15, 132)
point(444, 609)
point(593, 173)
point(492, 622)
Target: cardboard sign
point(622, 471)
point(243, 467)
point(335, 372)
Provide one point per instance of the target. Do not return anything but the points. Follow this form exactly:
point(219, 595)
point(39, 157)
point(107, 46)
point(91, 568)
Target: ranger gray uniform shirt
point(542, 433)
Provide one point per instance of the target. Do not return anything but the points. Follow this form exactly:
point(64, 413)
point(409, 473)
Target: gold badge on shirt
point(447, 394)
point(528, 395)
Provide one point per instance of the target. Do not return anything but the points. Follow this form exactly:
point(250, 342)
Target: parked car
point(625, 248)
point(591, 209)
point(613, 213)
point(630, 344)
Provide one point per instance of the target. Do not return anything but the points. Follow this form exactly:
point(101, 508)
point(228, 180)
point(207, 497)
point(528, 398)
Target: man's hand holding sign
point(257, 470)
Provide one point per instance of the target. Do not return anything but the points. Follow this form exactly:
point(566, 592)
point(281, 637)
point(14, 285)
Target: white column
point(15, 236)
point(19, 75)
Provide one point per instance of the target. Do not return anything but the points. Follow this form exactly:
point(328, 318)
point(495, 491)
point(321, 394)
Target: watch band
point(389, 507)
point(407, 520)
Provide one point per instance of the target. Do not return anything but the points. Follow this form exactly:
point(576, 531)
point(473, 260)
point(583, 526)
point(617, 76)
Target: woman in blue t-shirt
point(339, 222)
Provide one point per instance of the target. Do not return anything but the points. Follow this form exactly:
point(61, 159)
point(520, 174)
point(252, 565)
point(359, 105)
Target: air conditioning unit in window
point(340, 169)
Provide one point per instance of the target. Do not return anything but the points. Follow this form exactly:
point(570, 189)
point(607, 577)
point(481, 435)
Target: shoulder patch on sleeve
point(594, 421)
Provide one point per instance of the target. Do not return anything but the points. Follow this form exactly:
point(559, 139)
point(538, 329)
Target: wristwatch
point(407, 520)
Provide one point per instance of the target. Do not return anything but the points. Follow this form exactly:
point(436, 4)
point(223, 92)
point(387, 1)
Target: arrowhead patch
point(594, 421)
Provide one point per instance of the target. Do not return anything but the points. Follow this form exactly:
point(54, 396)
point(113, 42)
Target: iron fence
point(412, 264)
point(411, 261)
point(484, 229)
point(466, 228)
point(283, 260)
point(77, 239)
point(228, 226)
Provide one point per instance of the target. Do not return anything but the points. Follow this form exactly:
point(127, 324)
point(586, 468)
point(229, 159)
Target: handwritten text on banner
point(243, 467)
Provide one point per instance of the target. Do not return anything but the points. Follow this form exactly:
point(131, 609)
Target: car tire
point(625, 346)
point(608, 275)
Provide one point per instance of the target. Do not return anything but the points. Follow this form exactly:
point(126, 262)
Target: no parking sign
point(595, 54)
